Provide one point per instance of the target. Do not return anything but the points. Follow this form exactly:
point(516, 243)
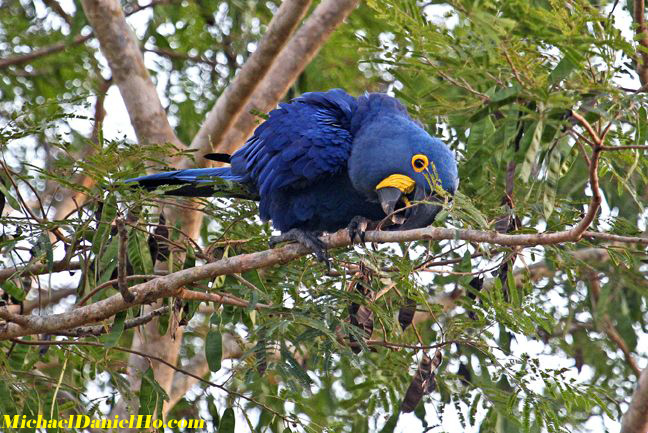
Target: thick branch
point(61, 46)
point(292, 60)
point(230, 104)
point(642, 36)
point(41, 52)
point(534, 272)
point(38, 269)
point(172, 284)
point(635, 420)
point(121, 48)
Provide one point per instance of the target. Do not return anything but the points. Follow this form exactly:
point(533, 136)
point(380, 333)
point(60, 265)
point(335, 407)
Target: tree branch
point(534, 272)
point(631, 147)
point(38, 269)
point(121, 49)
point(635, 420)
point(292, 60)
point(616, 238)
point(172, 284)
point(231, 102)
point(227, 299)
point(88, 331)
point(61, 46)
point(642, 37)
point(44, 51)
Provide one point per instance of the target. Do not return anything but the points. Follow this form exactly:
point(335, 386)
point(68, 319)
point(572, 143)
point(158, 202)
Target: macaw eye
point(419, 162)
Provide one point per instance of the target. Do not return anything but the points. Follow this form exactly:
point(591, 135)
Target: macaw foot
point(357, 228)
point(307, 239)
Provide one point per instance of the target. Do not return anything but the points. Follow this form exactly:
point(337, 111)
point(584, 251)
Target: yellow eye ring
point(419, 162)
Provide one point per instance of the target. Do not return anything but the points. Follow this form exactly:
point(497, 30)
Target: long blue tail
point(198, 182)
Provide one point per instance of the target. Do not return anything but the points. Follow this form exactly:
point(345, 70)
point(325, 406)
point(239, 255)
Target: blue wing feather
point(299, 144)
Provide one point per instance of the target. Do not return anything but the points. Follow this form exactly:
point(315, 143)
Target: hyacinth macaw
point(326, 161)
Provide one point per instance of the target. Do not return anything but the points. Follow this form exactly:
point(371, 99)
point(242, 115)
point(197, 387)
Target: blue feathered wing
point(301, 143)
point(290, 163)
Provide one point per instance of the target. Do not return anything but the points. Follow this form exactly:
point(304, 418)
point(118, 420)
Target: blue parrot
point(326, 161)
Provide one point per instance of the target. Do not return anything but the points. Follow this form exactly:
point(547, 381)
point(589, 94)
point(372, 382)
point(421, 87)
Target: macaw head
point(397, 163)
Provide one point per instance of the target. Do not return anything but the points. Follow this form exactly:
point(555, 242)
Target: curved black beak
point(389, 198)
point(422, 212)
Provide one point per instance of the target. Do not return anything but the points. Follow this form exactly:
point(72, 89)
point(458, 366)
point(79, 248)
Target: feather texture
point(298, 162)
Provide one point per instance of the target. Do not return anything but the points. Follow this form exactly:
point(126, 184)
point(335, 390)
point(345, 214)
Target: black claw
point(307, 239)
point(274, 241)
point(358, 228)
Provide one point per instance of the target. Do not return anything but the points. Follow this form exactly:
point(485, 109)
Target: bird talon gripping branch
point(308, 239)
point(326, 161)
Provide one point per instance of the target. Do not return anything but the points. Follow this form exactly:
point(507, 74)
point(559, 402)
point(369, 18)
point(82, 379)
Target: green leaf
point(554, 173)
point(214, 350)
point(16, 292)
point(151, 395)
point(190, 258)
point(227, 421)
point(45, 246)
point(213, 410)
point(533, 136)
point(138, 253)
point(514, 294)
point(108, 213)
point(18, 355)
point(10, 198)
point(562, 70)
point(390, 425)
point(116, 330)
point(506, 93)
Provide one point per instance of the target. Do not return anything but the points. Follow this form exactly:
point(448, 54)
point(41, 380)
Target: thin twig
point(633, 147)
point(62, 46)
point(112, 283)
point(515, 72)
point(225, 298)
point(88, 331)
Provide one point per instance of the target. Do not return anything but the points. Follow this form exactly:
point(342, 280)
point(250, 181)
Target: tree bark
point(642, 37)
point(171, 285)
point(232, 101)
point(120, 47)
point(635, 420)
point(292, 60)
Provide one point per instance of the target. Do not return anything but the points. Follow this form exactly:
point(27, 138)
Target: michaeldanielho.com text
point(84, 421)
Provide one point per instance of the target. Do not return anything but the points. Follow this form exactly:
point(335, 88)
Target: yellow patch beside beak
point(404, 184)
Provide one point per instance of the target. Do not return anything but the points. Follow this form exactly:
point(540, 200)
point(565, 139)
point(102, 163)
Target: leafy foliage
point(531, 351)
